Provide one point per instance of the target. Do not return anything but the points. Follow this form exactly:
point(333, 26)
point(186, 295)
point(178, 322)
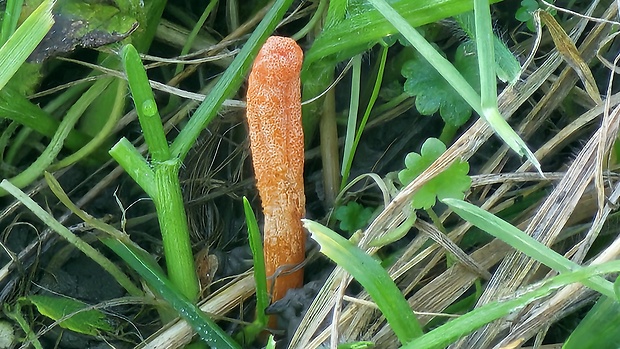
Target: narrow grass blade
point(523, 242)
point(260, 276)
point(442, 336)
point(347, 161)
point(206, 328)
point(249, 333)
point(488, 83)
point(441, 64)
point(375, 280)
point(44, 160)
point(486, 53)
point(11, 17)
point(366, 28)
point(354, 104)
point(24, 40)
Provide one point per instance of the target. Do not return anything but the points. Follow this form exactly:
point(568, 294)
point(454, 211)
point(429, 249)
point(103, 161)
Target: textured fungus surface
point(277, 145)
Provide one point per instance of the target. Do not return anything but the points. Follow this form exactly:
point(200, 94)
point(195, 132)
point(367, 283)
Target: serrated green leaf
point(89, 322)
point(353, 216)
point(434, 93)
point(452, 183)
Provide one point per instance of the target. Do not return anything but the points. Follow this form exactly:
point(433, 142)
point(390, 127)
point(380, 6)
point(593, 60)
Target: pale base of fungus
point(277, 145)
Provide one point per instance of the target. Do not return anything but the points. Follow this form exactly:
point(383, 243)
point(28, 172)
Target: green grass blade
point(467, 323)
point(506, 64)
point(206, 328)
point(488, 83)
point(441, 64)
point(24, 40)
point(486, 54)
point(599, 329)
point(11, 17)
point(249, 333)
point(15, 106)
point(452, 75)
point(523, 242)
point(348, 152)
point(375, 280)
point(371, 102)
point(260, 276)
point(97, 143)
point(194, 33)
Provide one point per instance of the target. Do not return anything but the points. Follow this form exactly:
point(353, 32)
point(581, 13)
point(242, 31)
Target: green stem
point(431, 213)
point(174, 230)
point(162, 183)
point(135, 165)
point(148, 115)
point(447, 133)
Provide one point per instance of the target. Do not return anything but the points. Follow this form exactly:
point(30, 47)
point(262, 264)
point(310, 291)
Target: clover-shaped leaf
point(452, 183)
point(353, 216)
point(434, 93)
point(528, 7)
point(524, 13)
